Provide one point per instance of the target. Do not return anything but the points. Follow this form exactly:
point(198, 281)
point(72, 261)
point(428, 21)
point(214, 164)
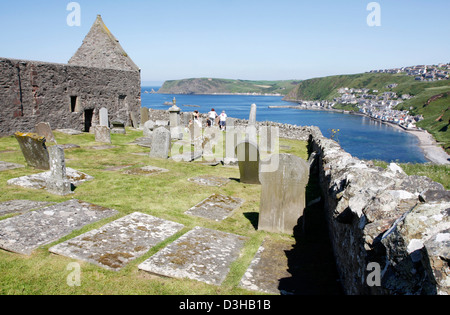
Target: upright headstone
point(102, 134)
point(283, 194)
point(134, 120)
point(58, 183)
point(148, 128)
point(161, 143)
point(43, 129)
point(175, 122)
point(248, 159)
point(34, 150)
point(144, 115)
point(185, 118)
point(252, 117)
point(104, 120)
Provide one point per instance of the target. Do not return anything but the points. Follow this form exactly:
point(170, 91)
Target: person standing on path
point(223, 120)
point(212, 115)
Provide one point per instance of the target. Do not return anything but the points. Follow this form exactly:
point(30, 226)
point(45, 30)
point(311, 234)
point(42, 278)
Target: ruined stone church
point(100, 74)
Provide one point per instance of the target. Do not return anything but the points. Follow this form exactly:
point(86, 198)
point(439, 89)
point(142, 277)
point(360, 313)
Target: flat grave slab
point(27, 232)
point(267, 268)
point(208, 180)
point(116, 244)
point(143, 142)
point(69, 146)
point(201, 254)
point(216, 207)
point(21, 206)
point(39, 181)
point(187, 156)
point(146, 171)
point(101, 147)
point(5, 166)
point(71, 132)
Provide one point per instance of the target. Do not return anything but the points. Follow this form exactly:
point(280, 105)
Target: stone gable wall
point(33, 92)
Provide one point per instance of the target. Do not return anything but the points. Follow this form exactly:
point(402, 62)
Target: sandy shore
point(433, 151)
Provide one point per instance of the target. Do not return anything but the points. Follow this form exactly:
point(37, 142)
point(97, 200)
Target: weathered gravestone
point(175, 122)
point(58, 183)
point(200, 254)
point(118, 127)
point(138, 234)
point(102, 134)
point(21, 206)
point(6, 166)
point(209, 180)
point(27, 232)
point(272, 255)
point(216, 207)
point(252, 117)
point(144, 115)
point(43, 129)
point(104, 119)
point(283, 194)
point(34, 150)
point(248, 159)
point(148, 128)
point(134, 120)
point(161, 143)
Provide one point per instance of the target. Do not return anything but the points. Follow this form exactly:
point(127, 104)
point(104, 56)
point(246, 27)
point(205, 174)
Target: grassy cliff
point(327, 88)
point(226, 86)
point(431, 99)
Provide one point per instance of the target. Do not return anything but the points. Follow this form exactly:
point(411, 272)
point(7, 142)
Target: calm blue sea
point(360, 136)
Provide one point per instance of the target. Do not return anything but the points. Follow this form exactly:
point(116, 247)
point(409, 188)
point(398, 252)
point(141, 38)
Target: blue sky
point(237, 39)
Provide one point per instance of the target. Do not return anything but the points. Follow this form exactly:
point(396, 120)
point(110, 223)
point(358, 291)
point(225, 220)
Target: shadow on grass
point(311, 261)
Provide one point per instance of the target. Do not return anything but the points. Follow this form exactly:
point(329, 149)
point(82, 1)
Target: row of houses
point(422, 72)
point(378, 106)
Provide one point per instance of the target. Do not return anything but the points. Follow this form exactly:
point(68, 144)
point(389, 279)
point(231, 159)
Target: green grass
point(166, 196)
point(436, 113)
point(438, 173)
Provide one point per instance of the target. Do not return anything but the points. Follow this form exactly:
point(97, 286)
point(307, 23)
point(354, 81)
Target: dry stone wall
point(390, 231)
point(66, 96)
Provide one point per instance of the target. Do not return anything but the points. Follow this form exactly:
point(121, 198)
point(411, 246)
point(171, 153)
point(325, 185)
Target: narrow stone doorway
point(88, 114)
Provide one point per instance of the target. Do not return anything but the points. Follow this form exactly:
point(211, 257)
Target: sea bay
point(360, 136)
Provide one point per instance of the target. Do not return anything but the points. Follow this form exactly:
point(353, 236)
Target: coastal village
point(381, 106)
point(422, 72)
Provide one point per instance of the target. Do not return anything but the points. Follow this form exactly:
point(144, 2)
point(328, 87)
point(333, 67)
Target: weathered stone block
point(102, 134)
point(25, 233)
point(58, 183)
point(138, 234)
point(43, 129)
point(161, 143)
point(118, 127)
point(34, 150)
point(216, 207)
point(248, 159)
point(201, 254)
point(283, 198)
